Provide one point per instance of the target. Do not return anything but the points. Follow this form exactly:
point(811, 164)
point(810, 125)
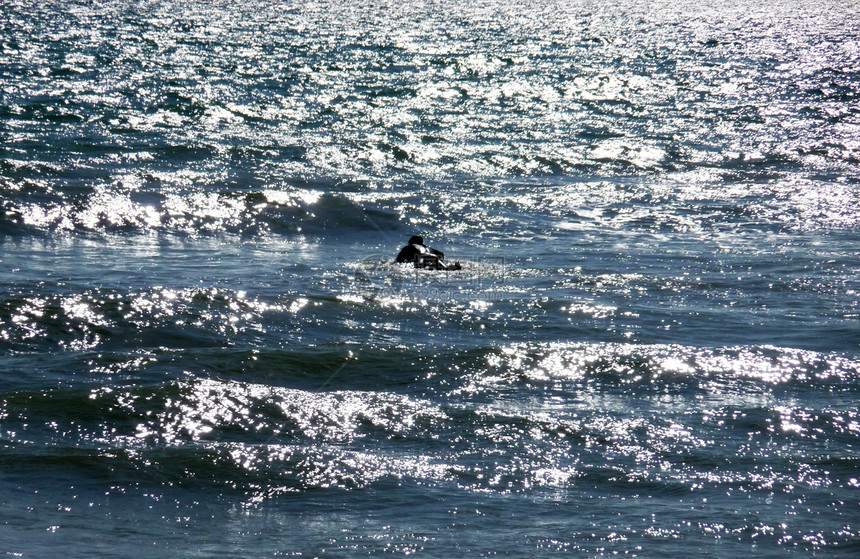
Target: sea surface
point(652, 348)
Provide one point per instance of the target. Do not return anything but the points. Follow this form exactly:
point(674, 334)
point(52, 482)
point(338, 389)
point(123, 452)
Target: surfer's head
point(416, 240)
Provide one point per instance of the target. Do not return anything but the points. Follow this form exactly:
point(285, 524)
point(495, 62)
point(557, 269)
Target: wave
point(263, 440)
point(740, 370)
point(105, 210)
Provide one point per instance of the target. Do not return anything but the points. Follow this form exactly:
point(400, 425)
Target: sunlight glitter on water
point(650, 348)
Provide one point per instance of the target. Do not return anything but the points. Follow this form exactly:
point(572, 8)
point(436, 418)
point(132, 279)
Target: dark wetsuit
point(423, 256)
point(414, 253)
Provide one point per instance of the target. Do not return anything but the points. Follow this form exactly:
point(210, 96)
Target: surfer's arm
point(407, 254)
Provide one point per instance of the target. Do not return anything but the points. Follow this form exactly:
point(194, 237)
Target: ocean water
point(652, 348)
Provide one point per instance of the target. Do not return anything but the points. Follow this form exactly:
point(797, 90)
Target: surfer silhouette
point(423, 256)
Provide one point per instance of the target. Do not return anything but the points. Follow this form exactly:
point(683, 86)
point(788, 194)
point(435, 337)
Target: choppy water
point(653, 348)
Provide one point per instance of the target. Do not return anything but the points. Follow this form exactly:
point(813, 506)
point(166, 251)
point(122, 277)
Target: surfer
point(423, 256)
